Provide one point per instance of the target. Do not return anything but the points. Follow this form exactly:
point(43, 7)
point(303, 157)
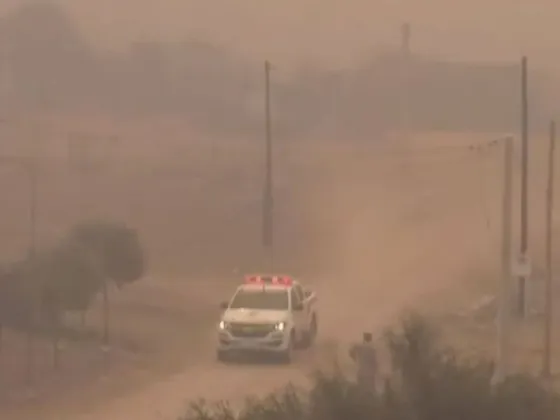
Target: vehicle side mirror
point(298, 307)
point(224, 305)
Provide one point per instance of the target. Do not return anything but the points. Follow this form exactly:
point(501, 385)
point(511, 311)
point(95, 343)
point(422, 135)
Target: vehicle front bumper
point(274, 343)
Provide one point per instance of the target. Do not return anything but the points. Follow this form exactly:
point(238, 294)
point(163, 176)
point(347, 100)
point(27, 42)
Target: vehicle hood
point(256, 316)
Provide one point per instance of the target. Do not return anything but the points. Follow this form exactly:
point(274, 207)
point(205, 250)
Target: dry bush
point(427, 382)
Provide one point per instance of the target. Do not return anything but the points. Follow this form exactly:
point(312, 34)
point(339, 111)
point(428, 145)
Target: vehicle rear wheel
point(313, 329)
point(311, 334)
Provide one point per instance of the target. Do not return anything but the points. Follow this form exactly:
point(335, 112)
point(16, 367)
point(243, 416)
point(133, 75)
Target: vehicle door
point(306, 304)
point(299, 317)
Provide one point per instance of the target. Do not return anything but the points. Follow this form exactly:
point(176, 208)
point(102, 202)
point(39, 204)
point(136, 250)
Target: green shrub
point(117, 247)
point(70, 275)
point(426, 382)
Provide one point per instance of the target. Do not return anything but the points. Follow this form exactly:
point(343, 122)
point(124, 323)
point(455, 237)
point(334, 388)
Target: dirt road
point(398, 233)
point(405, 239)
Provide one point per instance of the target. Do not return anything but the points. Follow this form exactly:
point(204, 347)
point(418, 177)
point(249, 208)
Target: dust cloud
point(387, 178)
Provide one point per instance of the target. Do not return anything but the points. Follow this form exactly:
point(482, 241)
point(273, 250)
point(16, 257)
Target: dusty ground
point(374, 229)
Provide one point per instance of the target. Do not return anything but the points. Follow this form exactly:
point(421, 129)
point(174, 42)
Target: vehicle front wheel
point(222, 356)
point(287, 355)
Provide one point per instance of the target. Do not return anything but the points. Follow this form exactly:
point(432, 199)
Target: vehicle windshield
point(261, 299)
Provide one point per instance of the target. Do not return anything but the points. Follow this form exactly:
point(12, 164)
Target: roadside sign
point(522, 266)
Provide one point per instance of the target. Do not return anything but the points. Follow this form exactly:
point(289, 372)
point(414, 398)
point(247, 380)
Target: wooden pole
point(30, 363)
point(268, 198)
point(522, 281)
point(56, 341)
point(106, 347)
point(546, 368)
point(504, 293)
point(405, 82)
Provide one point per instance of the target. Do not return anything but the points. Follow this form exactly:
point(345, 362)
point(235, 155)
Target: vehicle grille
point(250, 330)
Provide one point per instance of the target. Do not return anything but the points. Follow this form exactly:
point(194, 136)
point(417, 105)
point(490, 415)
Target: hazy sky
point(334, 31)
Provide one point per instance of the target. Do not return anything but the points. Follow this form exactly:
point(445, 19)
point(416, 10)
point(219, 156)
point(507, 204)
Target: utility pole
point(405, 80)
point(546, 368)
point(268, 199)
point(106, 348)
point(31, 167)
point(405, 38)
point(33, 175)
point(504, 293)
point(522, 281)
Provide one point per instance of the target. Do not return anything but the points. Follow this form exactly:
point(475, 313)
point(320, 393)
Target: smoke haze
point(328, 31)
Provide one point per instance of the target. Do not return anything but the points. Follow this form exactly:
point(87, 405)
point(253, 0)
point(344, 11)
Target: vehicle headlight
point(281, 326)
point(223, 325)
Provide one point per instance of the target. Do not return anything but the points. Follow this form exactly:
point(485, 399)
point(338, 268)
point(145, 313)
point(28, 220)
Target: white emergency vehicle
point(271, 314)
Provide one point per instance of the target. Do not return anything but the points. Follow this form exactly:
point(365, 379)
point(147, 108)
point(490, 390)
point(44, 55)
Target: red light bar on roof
point(252, 279)
point(276, 280)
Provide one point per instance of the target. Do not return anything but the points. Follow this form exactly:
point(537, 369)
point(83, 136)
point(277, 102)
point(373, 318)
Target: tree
point(116, 246)
point(69, 276)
